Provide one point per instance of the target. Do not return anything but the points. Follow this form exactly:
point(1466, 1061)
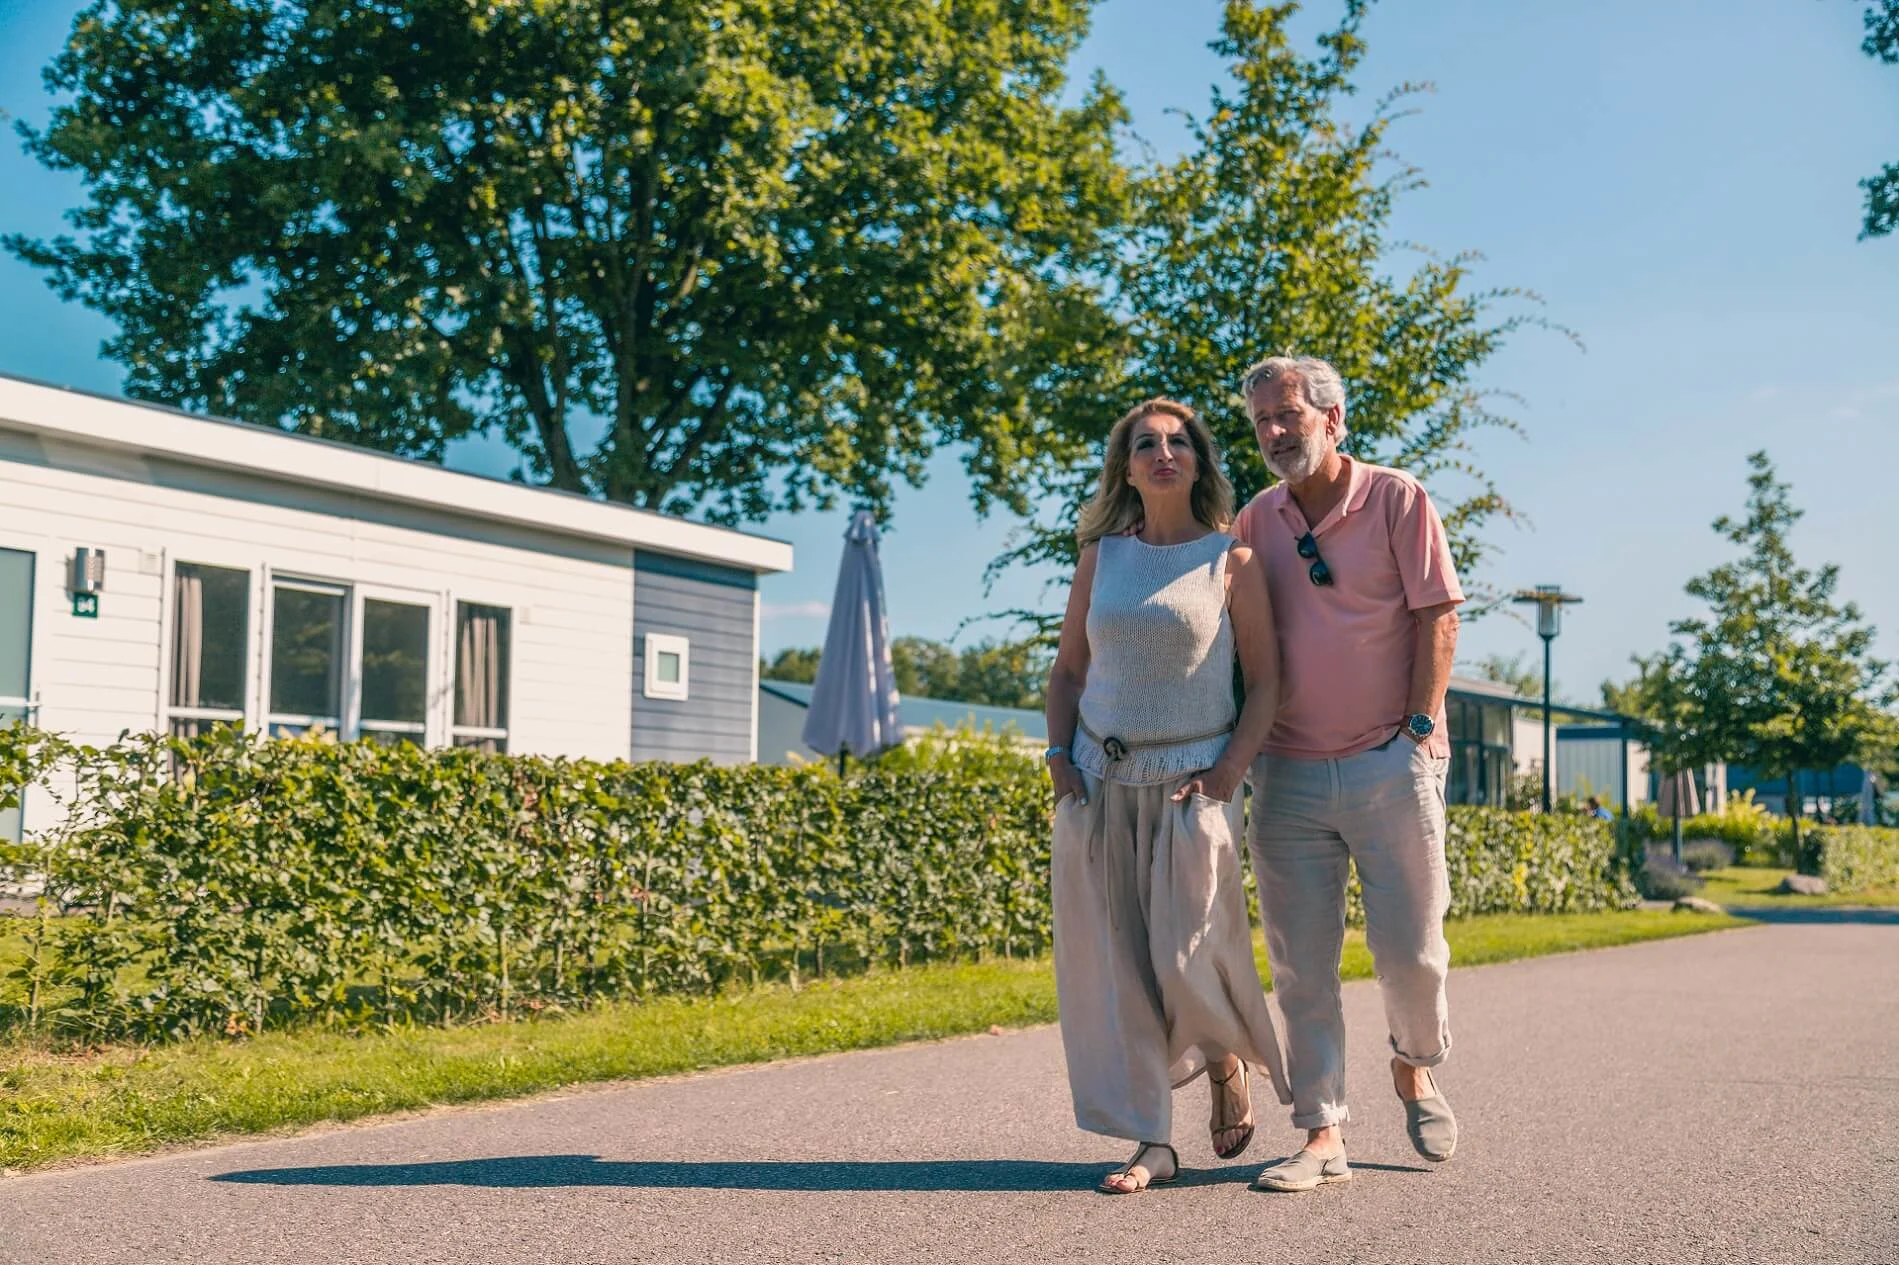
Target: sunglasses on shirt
point(1318, 572)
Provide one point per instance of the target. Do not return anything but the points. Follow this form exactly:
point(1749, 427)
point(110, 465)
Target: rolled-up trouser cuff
point(1428, 1060)
point(1323, 1118)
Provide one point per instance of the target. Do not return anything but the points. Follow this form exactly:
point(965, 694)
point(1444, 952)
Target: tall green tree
point(1780, 674)
point(1271, 234)
point(1882, 190)
point(1673, 721)
point(723, 256)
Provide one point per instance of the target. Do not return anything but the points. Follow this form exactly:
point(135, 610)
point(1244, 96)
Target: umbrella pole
point(842, 752)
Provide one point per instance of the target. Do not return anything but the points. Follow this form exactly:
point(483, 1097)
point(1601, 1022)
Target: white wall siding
point(571, 598)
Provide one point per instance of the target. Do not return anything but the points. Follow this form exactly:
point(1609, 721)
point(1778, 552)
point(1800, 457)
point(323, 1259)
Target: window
point(481, 677)
point(1481, 761)
point(668, 664)
point(306, 657)
point(16, 642)
point(210, 630)
point(395, 672)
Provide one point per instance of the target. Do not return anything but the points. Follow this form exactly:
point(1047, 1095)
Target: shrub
point(1702, 855)
point(1756, 836)
point(228, 884)
point(1660, 879)
point(1855, 858)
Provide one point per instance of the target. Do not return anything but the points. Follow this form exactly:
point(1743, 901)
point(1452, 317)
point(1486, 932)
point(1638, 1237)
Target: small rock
point(995, 1029)
point(1802, 885)
point(1696, 905)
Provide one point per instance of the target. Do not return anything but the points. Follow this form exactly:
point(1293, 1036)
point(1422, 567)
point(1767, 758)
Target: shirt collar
point(1357, 490)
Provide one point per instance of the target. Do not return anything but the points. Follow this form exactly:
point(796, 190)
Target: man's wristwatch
point(1419, 726)
point(1052, 752)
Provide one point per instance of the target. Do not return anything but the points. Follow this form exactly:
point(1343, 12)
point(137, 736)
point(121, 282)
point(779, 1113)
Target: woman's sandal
point(1244, 1122)
point(1128, 1168)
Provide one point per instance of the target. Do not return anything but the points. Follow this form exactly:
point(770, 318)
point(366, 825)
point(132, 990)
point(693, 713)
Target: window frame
point(27, 705)
point(452, 623)
point(168, 713)
point(656, 644)
point(427, 731)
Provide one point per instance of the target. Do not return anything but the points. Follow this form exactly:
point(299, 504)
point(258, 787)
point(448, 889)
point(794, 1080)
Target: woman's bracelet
point(1052, 752)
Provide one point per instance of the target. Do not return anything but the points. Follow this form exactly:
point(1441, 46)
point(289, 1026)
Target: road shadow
point(1818, 914)
point(528, 1171)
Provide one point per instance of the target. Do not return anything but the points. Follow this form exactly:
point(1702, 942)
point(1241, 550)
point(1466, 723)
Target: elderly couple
point(1334, 593)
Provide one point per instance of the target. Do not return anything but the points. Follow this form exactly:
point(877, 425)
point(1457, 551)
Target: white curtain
point(187, 647)
point(481, 668)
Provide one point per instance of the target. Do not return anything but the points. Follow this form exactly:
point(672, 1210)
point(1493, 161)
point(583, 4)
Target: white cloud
point(795, 610)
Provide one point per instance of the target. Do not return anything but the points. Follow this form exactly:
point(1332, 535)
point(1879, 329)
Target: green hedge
point(1855, 858)
point(1757, 836)
point(229, 884)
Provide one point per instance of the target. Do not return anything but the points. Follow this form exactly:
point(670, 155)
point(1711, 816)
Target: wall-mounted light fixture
point(88, 570)
point(86, 580)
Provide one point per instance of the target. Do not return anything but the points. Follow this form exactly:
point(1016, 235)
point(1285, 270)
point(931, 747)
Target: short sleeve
point(1246, 527)
point(1423, 550)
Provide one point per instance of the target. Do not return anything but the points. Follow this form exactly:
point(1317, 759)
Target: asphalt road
point(1725, 1098)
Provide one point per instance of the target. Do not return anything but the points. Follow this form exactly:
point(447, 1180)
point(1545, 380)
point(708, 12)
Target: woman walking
point(1153, 951)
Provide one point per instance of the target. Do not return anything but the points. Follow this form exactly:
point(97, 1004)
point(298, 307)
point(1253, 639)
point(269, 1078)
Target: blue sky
point(1679, 183)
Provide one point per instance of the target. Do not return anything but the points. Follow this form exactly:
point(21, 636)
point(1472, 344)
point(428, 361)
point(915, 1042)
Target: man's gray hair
point(1321, 383)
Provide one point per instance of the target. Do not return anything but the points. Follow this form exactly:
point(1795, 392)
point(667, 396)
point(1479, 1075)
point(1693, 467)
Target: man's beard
point(1302, 465)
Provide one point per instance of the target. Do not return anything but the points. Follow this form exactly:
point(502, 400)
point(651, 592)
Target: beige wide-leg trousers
point(1154, 967)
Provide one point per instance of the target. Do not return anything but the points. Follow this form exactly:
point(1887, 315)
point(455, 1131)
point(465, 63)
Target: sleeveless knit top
point(1160, 651)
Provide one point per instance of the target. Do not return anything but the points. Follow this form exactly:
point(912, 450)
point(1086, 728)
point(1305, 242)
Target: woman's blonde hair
point(1117, 505)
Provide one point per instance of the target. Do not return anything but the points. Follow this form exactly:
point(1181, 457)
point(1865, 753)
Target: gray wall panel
point(712, 609)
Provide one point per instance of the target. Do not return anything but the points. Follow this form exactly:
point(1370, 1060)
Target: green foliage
point(1882, 190)
point(1670, 719)
point(1523, 678)
point(229, 884)
point(117, 1100)
point(1855, 858)
point(794, 664)
point(1270, 234)
point(1659, 878)
point(765, 252)
point(993, 673)
point(1704, 855)
point(1522, 862)
point(1757, 836)
point(1779, 675)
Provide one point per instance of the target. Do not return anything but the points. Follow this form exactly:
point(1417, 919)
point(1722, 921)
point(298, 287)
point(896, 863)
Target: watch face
point(1421, 725)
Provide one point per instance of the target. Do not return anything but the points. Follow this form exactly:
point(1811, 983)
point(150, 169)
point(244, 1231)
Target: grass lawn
point(58, 1106)
point(1753, 885)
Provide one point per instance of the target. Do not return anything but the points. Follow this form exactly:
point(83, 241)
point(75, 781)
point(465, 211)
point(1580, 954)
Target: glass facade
point(1481, 760)
point(395, 671)
point(16, 641)
point(306, 659)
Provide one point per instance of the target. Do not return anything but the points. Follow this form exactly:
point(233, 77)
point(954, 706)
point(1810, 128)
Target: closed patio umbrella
point(854, 701)
point(1679, 796)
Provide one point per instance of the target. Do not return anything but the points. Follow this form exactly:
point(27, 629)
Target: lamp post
point(1549, 600)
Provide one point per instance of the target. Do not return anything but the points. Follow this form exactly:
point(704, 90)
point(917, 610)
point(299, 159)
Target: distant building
point(1848, 790)
point(163, 571)
point(1495, 737)
point(782, 706)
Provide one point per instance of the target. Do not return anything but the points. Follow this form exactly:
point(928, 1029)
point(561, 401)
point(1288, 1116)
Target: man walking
point(1365, 601)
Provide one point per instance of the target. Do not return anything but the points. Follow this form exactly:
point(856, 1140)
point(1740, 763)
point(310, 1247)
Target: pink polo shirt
point(1346, 649)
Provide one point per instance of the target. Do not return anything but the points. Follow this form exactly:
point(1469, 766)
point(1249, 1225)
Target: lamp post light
point(1549, 600)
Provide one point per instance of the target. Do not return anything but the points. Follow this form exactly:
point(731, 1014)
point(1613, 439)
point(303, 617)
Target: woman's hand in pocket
point(1068, 781)
point(1221, 782)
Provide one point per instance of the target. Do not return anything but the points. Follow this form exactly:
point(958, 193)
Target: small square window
point(668, 666)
